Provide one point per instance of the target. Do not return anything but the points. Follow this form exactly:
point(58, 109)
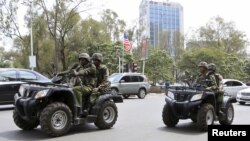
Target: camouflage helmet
point(97, 56)
point(203, 64)
point(212, 67)
point(85, 56)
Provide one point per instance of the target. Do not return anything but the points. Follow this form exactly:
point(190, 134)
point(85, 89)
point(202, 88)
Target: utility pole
point(31, 32)
point(32, 58)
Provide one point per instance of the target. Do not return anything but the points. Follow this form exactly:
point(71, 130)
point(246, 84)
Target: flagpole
point(122, 57)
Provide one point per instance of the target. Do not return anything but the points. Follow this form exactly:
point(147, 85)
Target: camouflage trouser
point(81, 93)
point(219, 97)
point(93, 97)
point(102, 89)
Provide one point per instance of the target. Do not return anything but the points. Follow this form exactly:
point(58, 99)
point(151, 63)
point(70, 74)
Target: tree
point(60, 20)
point(114, 26)
point(4, 63)
point(159, 65)
point(8, 18)
point(220, 34)
point(229, 65)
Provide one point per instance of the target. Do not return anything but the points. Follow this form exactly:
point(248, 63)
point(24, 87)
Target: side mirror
point(122, 81)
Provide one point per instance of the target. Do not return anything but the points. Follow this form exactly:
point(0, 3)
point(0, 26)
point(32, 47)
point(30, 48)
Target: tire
point(142, 93)
point(107, 115)
point(168, 117)
point(229, 115)
point(242, 103)
point(125, 96)
point(23, 124)
point(114, 91)
point(56, 119)
point(205, 117)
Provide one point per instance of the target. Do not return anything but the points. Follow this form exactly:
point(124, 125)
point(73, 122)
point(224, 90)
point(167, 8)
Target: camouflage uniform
point(208, 85)
point(211, 85)
point(102, 83)
point(86, 82)
point(220, 93)
point(84, 87)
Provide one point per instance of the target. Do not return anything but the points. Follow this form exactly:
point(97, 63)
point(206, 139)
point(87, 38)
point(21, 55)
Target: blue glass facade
point(158, 17)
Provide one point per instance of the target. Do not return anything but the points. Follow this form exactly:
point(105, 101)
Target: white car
point(243, 96)
point(232, 86)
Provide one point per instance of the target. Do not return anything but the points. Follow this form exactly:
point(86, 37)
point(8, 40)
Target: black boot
point(220, 110)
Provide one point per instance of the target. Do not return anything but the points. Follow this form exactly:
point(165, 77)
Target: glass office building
point(160, 22)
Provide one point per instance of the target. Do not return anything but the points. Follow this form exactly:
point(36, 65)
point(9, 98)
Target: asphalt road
point(139, 120)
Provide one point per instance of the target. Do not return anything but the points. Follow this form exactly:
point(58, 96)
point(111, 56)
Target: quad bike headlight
point(196, 97)
point(170, 94)
point(41, 94)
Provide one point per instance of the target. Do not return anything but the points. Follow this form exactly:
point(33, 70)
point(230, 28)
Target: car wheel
point(126, 96)
point(168, 117)
point(24, 124)
point(229, 115)
point(114, 91)
point(56, 119)
point(242, 103)
point(107, 115)
point(142, 93)
point(205, 117)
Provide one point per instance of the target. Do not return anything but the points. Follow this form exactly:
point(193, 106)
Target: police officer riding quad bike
point(198, 104)
point(53, 107)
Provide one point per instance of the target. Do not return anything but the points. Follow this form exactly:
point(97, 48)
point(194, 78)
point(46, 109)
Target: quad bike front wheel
point(24, 124)
point(107, 115)
point(168, 117)
point(56, 119)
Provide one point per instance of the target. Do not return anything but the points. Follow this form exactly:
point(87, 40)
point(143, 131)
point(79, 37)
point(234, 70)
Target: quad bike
point(53, 107)
point(198, 104)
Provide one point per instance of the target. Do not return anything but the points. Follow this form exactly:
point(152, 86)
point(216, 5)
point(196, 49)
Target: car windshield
point(7, 76)
point(114, 77)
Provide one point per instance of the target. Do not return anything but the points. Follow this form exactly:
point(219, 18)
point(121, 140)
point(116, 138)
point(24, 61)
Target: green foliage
point(229, 65)
point(4, 63)
point(220, 34)
point(8, 18)
point(114, 26)
point(159, 66)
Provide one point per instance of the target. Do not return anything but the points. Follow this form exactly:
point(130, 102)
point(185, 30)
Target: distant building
point(162, 23)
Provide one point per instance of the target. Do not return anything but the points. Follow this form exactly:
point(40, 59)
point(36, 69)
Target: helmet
point(97, 56)
point(84, 55)
point(203, 64)
point(212, 67)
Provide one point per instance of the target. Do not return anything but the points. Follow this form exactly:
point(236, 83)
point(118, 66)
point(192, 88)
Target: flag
point(126, 44)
